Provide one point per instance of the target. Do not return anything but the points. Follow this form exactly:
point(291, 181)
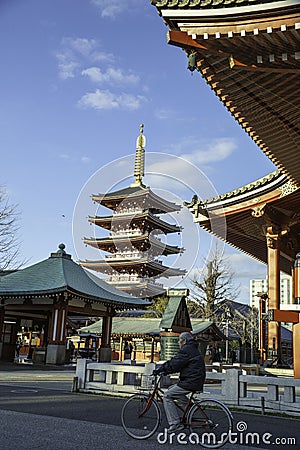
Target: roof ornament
point(61, 249)
point(61, 253)
point(139, 163)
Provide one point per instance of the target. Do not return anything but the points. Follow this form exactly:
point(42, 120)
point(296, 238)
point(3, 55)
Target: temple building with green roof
point(45, 296)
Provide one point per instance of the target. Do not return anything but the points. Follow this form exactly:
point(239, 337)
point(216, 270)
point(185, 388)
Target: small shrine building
point(156, 339)
point(44, 296)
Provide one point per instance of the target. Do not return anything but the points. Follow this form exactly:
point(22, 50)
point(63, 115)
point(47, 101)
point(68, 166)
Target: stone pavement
point(21, 431)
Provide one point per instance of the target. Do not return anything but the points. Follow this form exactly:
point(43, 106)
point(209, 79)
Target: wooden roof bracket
point(183, 40)
point(237, 65)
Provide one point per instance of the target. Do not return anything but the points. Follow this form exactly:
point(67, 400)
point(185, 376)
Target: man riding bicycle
point(190, 364)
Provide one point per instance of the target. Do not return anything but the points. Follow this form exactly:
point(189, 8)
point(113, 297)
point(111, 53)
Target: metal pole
point(226, 345)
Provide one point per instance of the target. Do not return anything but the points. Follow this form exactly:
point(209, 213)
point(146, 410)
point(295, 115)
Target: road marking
point(20, 391)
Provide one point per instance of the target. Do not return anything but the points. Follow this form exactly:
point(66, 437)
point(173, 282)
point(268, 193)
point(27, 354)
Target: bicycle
point(209, 420)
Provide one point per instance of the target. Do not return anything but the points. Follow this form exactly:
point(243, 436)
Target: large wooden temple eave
point(249, 55)
point(246, 228)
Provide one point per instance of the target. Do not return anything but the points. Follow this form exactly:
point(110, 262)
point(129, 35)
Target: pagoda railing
point(127, 255)
point(133, 279)
point(126, 232)
point(127, 211)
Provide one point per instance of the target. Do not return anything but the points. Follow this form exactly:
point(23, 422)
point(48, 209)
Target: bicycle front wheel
point(140, 416)
point(210, 423)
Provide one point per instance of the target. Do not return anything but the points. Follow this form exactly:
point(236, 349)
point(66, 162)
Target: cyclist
point(190, 364)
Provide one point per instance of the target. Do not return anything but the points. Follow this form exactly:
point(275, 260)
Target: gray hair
point(186, 336)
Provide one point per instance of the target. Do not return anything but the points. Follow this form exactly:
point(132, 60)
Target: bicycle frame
point(208, 414)
point(157, 394)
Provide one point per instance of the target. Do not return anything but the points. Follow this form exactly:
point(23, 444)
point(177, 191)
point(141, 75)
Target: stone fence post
point(231, 386)
point(81, 372)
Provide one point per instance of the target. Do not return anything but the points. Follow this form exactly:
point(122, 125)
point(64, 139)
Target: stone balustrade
point(120, 377)
point(232, 387)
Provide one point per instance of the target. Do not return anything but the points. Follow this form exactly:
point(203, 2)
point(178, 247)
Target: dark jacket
point(190, 364)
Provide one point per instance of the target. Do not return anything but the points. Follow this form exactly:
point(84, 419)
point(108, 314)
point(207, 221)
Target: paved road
point(42, 413)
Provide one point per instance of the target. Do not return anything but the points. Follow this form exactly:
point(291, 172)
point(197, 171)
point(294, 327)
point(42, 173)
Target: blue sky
point(77, 79)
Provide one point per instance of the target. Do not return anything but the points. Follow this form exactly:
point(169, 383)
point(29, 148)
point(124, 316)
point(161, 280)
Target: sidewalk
point(20, 372)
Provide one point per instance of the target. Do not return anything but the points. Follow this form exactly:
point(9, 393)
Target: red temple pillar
point(1, 329)
point(273, 247)
point(262, 327)
point(56, 350)
point(105, 349)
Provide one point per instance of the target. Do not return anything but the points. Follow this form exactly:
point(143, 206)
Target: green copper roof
point(207, 4)
point(176, 313)
point(132, 326)
point(266, 183)
point(60, 273)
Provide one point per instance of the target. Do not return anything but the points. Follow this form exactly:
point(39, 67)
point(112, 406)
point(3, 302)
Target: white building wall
point(257, 286)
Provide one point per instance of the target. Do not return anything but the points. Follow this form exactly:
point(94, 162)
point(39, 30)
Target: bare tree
point(211, 286)
point(9, 245)
point(245, 325)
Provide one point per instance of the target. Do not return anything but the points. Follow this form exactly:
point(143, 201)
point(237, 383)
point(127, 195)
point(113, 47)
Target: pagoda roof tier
point(142, 266)
point(142, 243)
point(143, 290)
point(248, 53)
point(136, 195)
point(143, 219)
point(249, 211)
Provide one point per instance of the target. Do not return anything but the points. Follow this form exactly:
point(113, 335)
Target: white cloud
point(110, 76)
point(75, 52)
point(112, 8)
point(66, 66)
point(75, 158)
point(247, 267)
point(108, 100)
point(201, 153)
point(85, 159)
point(189, 169)
point(163, 113)
point(87, 48)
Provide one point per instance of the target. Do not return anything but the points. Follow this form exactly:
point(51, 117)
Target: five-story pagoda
point(136, 233)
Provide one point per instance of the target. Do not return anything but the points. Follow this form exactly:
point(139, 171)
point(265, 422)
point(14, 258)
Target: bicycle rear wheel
point(140, 416)
point(210, 422)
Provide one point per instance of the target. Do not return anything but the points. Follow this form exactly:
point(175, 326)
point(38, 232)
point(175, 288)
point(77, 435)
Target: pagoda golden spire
point(139, 158)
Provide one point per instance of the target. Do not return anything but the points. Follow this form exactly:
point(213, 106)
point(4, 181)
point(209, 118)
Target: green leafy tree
point(158, 307)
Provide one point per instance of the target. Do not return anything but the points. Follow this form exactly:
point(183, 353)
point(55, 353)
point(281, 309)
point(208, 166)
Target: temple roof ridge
point(56, 275)
point(211, 4)
point(269, 180)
